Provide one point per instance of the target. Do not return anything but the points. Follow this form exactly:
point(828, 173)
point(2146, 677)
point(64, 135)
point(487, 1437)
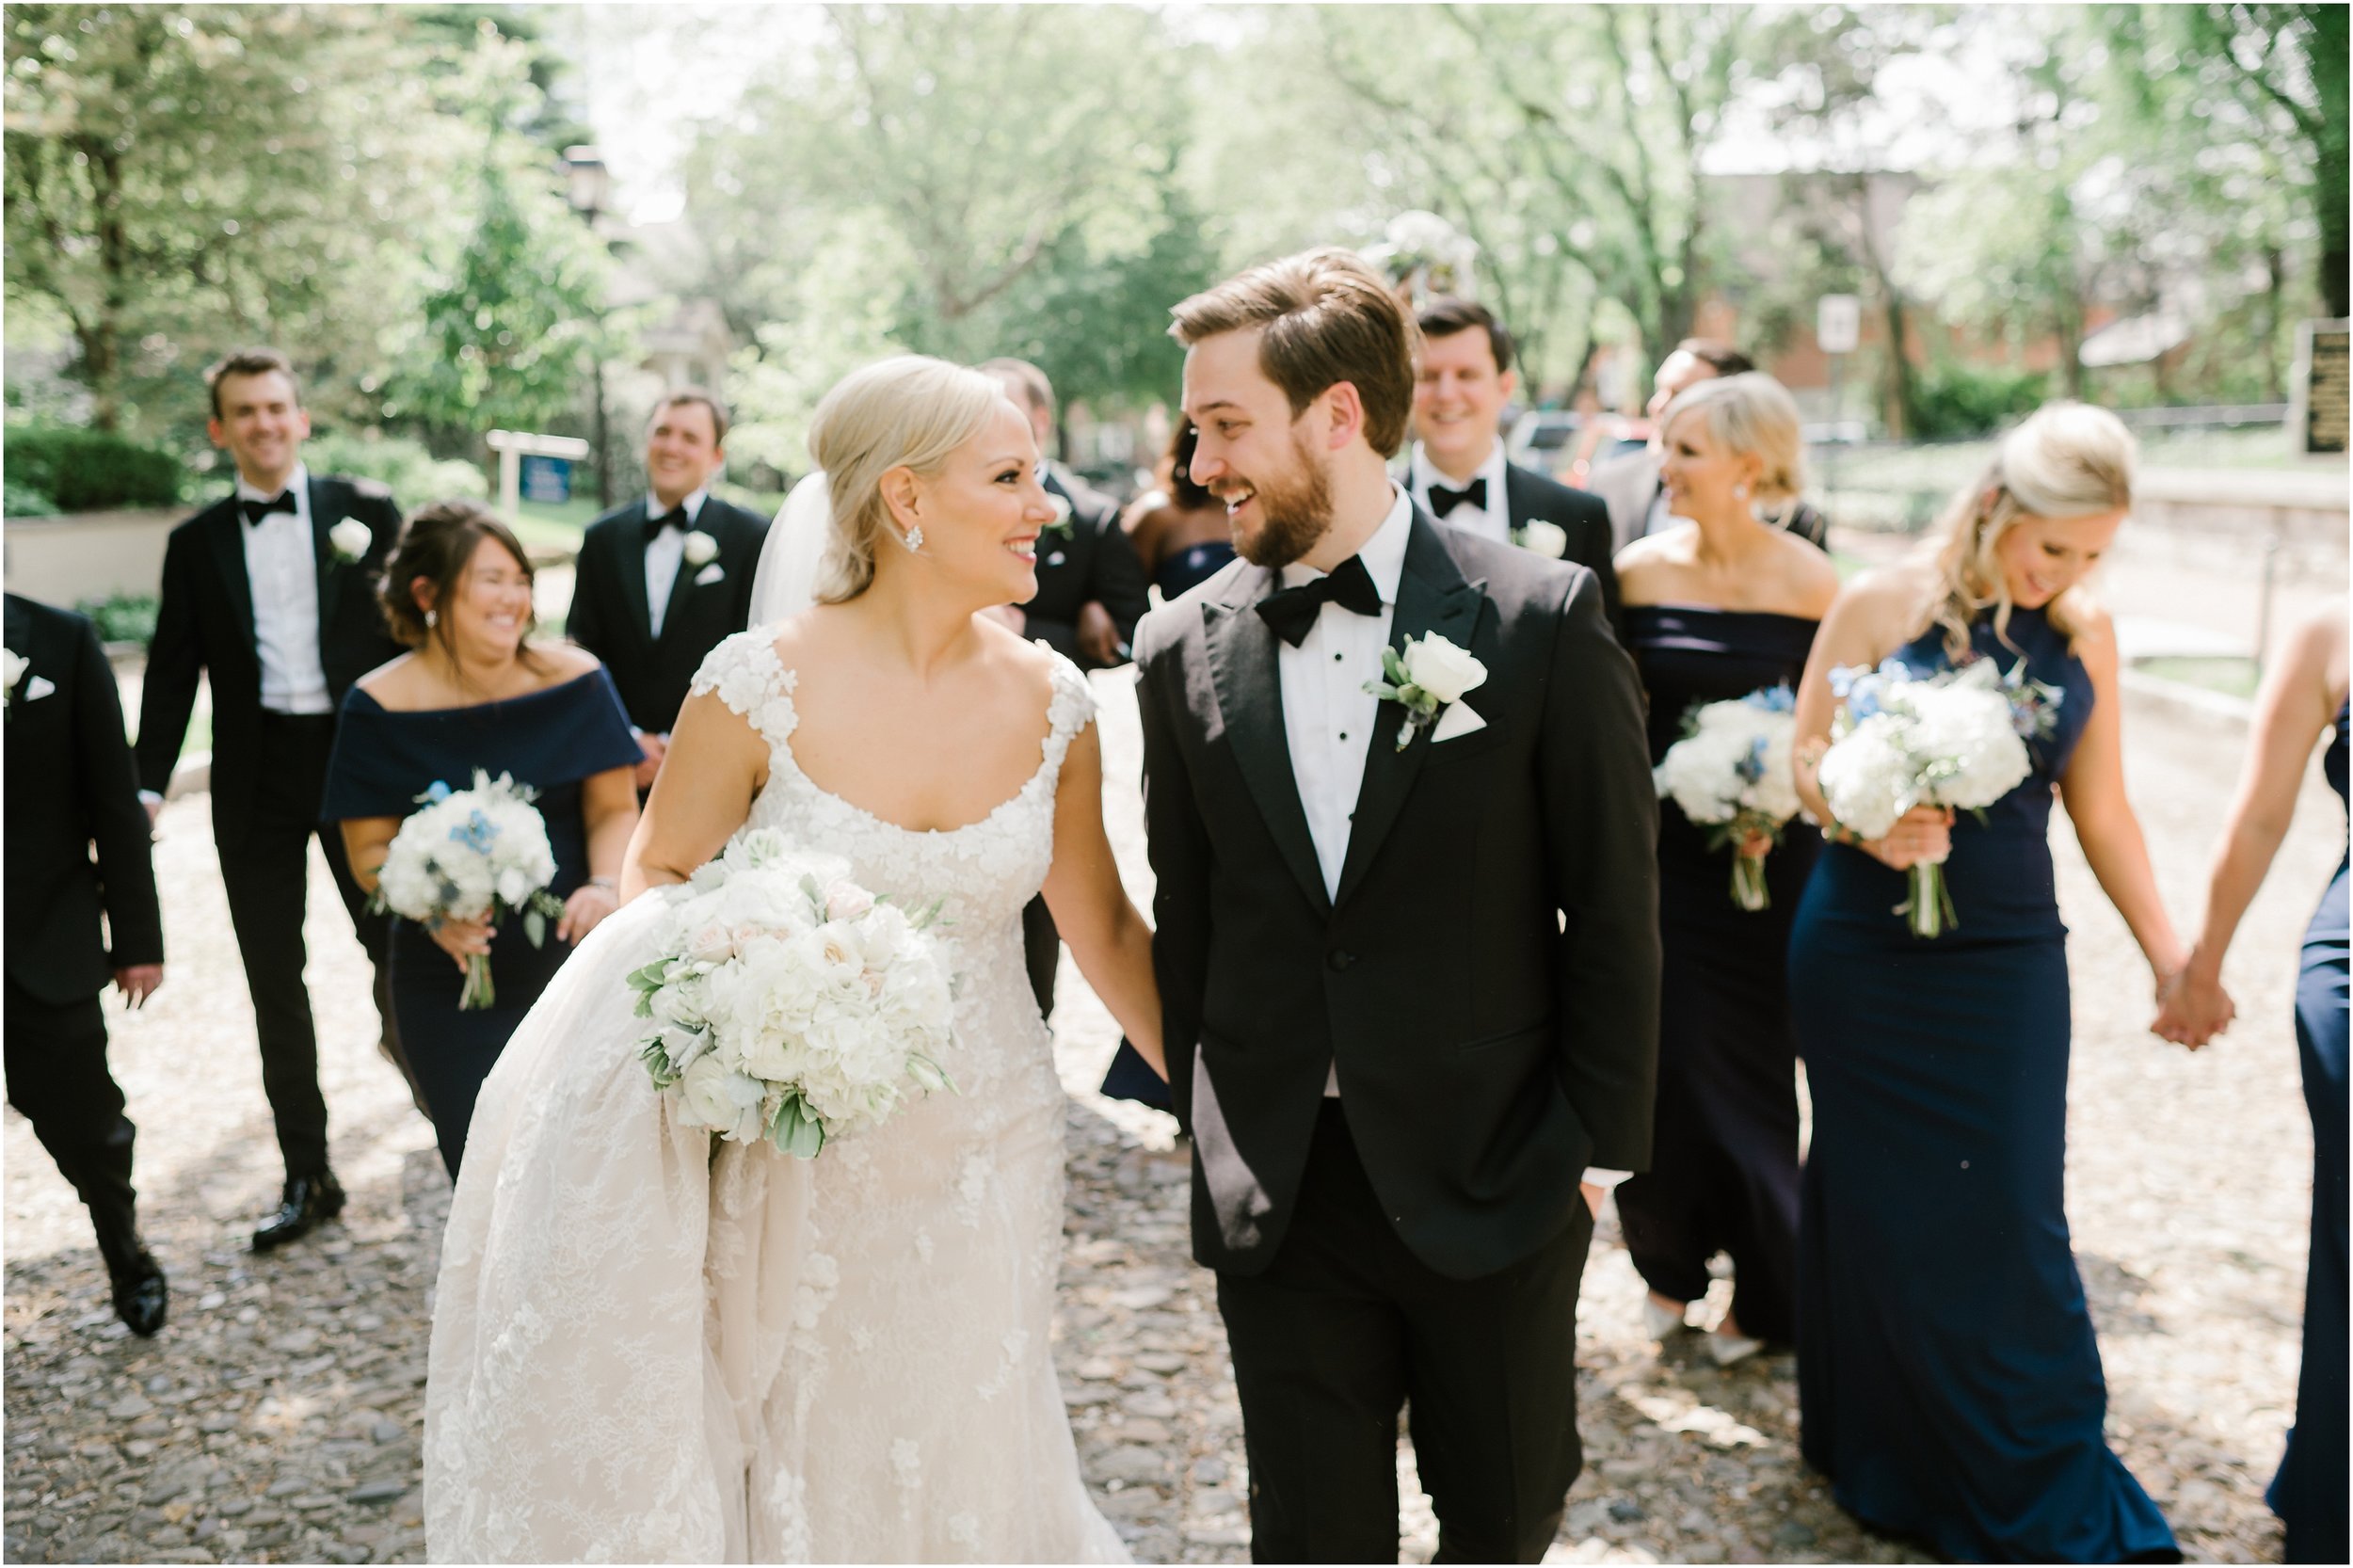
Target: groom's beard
point(1294, 512)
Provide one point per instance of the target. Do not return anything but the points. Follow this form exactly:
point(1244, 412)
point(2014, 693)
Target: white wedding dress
point(643, 1353)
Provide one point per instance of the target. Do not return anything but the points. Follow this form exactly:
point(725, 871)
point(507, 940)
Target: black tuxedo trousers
point(58, 1079)
point(1347, 1326)
point(266, 874)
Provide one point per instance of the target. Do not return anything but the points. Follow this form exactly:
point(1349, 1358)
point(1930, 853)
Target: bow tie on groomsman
point(1443, 500)
point(675, 518)
point(256, 510)
point(1292, 611)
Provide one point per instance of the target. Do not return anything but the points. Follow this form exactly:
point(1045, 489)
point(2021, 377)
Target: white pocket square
point(38, 687)
point(710, 574)
point(1460, 718)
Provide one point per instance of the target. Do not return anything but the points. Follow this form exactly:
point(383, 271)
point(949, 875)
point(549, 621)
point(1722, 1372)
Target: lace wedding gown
point(641, 1352)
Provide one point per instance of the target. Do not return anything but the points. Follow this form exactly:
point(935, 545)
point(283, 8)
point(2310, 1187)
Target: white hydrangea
point(1735, 761)
point(1868, 777)
point(780, 971)
point(478, 853)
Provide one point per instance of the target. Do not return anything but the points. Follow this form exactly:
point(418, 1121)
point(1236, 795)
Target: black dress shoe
point(309, 1200)
point(141, 1296)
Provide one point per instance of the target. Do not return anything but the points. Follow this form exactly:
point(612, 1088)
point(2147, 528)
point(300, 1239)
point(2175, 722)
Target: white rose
point(701, 549)
point(13, 666)
point(728, 1103)
point(846, 900)
point(1442, 669)
point(1548, 539)
point(351, 538)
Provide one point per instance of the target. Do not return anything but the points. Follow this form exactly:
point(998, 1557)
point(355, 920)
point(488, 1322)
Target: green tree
point(511, 310)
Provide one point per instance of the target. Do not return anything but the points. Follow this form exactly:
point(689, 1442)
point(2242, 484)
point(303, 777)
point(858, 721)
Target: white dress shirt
point(282, 566)
point(1494, 521)
point(665, 553)
point(1328, 715)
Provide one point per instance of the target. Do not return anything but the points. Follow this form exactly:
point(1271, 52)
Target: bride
point(643, 1350)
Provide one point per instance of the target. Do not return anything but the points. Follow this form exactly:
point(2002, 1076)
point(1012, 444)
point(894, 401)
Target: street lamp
point(589, 184)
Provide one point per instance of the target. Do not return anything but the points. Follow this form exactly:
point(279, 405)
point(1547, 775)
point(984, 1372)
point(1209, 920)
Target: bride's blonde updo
point(909, 411)
point(2067, 460)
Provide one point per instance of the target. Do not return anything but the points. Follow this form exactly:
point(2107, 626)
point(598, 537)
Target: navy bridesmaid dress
point(1723, 1175)
point(1948, 1380)
point(551, 740)
point(2309, 1493)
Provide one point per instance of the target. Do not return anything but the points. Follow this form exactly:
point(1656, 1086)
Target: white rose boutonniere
point(1430, 673)
point(1062, 515)
point(701, 549)
point(350, 539)
point(1548, 539)
point(12, 666)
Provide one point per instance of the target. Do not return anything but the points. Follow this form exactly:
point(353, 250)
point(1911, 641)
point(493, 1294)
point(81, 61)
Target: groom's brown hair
point(1328, 317)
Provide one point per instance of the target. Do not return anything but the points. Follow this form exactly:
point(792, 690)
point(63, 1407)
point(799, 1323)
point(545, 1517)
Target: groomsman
point(72, 788)
point(662, 580)
point(1408, 958)
point(1458, 471)
point(270, 593)
point(1091, 592)
point(1629, 485)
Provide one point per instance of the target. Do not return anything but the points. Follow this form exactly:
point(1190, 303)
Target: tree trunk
point(2329, 64)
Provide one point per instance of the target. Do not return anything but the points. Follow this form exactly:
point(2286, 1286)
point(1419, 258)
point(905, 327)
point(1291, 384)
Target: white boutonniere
point(701, 549)
point(349, 540)
point(1548, 539)
point(12, 665)
point(1430, 674)
point(1062, 515)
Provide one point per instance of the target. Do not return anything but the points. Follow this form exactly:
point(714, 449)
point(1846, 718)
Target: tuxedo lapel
point(682, 589)
point(226, 529)
point(1432, 599)
point(1244, 669)
point(629, 543)
point(325, 515)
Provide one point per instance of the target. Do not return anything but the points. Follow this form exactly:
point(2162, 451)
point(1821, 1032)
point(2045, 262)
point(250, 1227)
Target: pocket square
point(1460, 718)
point(38, 687)
point(710, 574)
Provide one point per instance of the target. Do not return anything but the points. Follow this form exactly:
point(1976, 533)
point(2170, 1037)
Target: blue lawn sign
point(547, 479)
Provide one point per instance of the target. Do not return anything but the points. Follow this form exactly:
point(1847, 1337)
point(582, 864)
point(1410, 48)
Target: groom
point(1410, 990)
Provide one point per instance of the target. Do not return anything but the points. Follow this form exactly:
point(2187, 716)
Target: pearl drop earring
point(913, 538)
point(430, 620)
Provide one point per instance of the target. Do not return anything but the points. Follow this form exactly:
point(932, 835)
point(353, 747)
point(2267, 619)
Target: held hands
point(137, 983)
point(2192, 1007)
point(1922, 836)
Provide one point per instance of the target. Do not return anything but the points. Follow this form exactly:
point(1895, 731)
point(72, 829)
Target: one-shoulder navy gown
point(551, 740)
point(1723, 1174)
point(2309, 1493)
point(1949, 1382)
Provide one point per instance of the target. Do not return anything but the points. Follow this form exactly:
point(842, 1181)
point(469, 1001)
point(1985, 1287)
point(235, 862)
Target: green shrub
point(122, 617)
point(413, 476)
point(19, 500)
point(1952, 400)
point(90, 470)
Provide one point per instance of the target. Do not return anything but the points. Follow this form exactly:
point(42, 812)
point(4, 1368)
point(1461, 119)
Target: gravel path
point(277, 1418)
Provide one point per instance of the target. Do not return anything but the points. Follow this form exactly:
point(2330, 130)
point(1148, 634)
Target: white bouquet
point(472, 855)
point(1731, 772)
point(789, 1003)
point(1956, 739)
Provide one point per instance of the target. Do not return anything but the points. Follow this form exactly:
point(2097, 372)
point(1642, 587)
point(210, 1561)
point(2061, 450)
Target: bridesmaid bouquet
point(788, 1003)
point(1957, 739)
point(1731, 772)
point(472, 855)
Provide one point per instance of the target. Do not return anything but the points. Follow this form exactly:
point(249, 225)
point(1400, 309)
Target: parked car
point(1542, 439)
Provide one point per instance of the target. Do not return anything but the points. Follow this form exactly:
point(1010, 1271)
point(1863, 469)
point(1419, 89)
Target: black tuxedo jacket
point(609, 619)
point(72, 786)
point(205, 624)
point(1091, 559)
point(1486, 980)
point(1585, 519)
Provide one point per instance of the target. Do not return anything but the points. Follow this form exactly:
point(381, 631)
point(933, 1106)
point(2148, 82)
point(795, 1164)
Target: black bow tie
point(675, 518)
point(1443, 501)
point(1292, 611)
point(256, 510)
